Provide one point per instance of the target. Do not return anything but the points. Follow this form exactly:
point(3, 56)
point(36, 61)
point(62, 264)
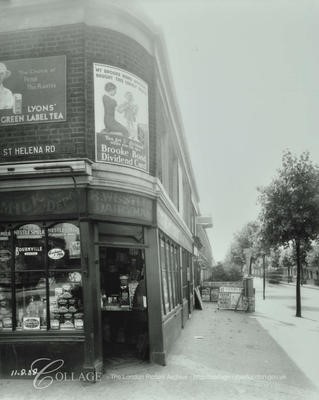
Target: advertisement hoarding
point(33, 90)
point(121, 117)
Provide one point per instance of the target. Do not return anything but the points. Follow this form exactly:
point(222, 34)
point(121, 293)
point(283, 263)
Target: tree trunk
point(264, 277)
point(298, 297)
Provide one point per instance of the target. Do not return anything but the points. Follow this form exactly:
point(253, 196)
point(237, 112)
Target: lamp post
point(249, 260)
point(264, 275)
point(250, 266)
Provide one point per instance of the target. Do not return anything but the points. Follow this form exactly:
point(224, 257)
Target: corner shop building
point(98, 200)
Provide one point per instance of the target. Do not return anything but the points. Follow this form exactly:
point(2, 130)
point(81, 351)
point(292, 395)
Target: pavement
point(298, 337)
point(219, 355)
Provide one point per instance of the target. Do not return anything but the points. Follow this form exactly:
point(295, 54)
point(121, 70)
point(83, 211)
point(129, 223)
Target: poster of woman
point(121, 117)
point(6, 96)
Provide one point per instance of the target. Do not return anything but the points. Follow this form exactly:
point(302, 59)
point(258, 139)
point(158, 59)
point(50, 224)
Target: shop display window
point(166, 304)
point(175, 256)
point(66, 300)
point(31, 301)
point(5, 251)
point(185, 265)
point(64, 246)
point(173, 274)
point(40, 277)
point(5, 280)
point(170, 273)
point(29, 247)
point(5, 302)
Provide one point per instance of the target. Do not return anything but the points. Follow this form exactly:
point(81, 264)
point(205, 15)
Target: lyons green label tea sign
point(32, 90)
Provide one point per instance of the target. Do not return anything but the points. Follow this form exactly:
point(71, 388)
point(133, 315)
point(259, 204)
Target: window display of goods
point(45, 282)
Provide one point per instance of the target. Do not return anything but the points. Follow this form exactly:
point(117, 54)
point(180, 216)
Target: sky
point(246, 77)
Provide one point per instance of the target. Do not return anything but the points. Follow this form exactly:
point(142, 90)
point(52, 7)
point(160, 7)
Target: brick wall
point(68, 136)
point(112, 48)
point(82, 45)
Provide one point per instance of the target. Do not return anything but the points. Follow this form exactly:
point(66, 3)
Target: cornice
point(35, 14)
point(146, 186)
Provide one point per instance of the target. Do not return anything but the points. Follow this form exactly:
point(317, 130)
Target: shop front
point(73, 284)
point(41, 294)
point(123, 290)
point(97, 195)
point(124, 301)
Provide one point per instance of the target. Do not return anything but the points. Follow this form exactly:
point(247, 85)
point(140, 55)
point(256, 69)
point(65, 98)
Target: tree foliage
point(274, 257)
point(290, 209)
point(246, 238)
point(220, 273)
point(312, 257)
point(290, 204)
point(287, 258)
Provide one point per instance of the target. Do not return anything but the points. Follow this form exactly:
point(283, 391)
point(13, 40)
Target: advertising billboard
point(121, 117)
point(32, 90)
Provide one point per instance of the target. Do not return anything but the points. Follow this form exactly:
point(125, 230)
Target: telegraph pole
point(264, 276)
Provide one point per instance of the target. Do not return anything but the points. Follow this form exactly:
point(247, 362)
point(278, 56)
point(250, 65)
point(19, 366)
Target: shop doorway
point(123, 303)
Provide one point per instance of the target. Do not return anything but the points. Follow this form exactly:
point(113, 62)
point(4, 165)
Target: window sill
point(41, 336)
point(171, 313)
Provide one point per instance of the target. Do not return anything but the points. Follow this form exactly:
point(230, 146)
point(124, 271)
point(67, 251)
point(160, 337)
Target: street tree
point(243, 240)
point(287, 260)
point(290, 208)
point(274, 257)
point(220, 273)
point(312, 257)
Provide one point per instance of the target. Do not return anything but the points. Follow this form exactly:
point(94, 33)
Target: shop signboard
point(33, 90)
point(230, 298)
point(214, 294)
point(123, 205)
point(168, 225)
point(31, 203)
point(121, 117)
point(206, 294)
